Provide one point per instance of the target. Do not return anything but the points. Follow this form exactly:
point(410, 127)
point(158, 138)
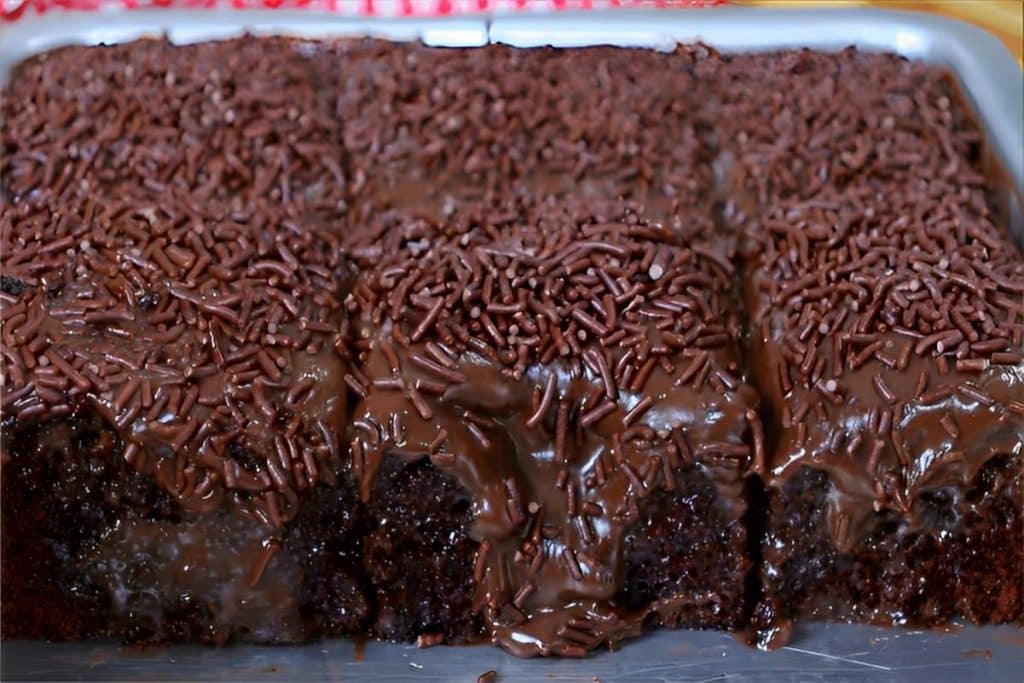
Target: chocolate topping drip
point(163, 239)
point(524, 267)
point(465, 332)
point(885, 302)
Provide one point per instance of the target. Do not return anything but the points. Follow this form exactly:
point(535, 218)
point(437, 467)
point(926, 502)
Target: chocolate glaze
point(487, 426)
point(886, 328)
point(852, 287)
point(545, 302)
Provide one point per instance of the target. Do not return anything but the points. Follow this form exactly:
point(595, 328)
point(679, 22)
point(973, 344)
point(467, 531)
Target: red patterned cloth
point(12, 10)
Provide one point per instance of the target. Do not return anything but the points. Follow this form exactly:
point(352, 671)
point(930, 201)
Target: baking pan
point(992, 83)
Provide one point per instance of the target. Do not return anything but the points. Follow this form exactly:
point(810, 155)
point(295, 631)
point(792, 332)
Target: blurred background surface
point(1004, 18)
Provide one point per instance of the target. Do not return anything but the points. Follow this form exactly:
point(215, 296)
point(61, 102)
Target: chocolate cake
point(887, 329)
point(172, 343)
point(426, 128)
point(306, 339)
point(575, 368)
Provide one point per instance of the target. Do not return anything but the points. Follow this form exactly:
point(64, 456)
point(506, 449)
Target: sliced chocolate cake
point(305, 339)
point(172, 355)
point(575, 369)
point(887, 329)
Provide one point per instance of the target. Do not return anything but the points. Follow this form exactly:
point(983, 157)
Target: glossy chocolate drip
point(885, 303)
point(190, 294)
point(558, 450)
point(542, 321)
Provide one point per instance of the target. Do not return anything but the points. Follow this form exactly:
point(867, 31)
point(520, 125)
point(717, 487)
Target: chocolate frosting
point(885, 302)
point(189, 293)
point(544, 302)
point(559, 448)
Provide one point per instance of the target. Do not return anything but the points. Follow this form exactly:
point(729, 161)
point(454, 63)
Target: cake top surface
point(169, 256)
point(521, 284)
point(426, 127)
point(224, 123)
point(885, 300)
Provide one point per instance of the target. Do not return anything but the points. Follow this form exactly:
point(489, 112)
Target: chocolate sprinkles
point(177, 303)
point(879, 304)
point(359, 263)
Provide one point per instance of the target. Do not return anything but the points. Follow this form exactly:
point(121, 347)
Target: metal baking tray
point(992, 83)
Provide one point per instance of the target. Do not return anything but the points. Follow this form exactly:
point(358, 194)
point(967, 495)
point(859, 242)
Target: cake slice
point(887, 330)
point(428, 128)
point(573, 370)
point(173, 402)
point(895, 486)
point(170, 398)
